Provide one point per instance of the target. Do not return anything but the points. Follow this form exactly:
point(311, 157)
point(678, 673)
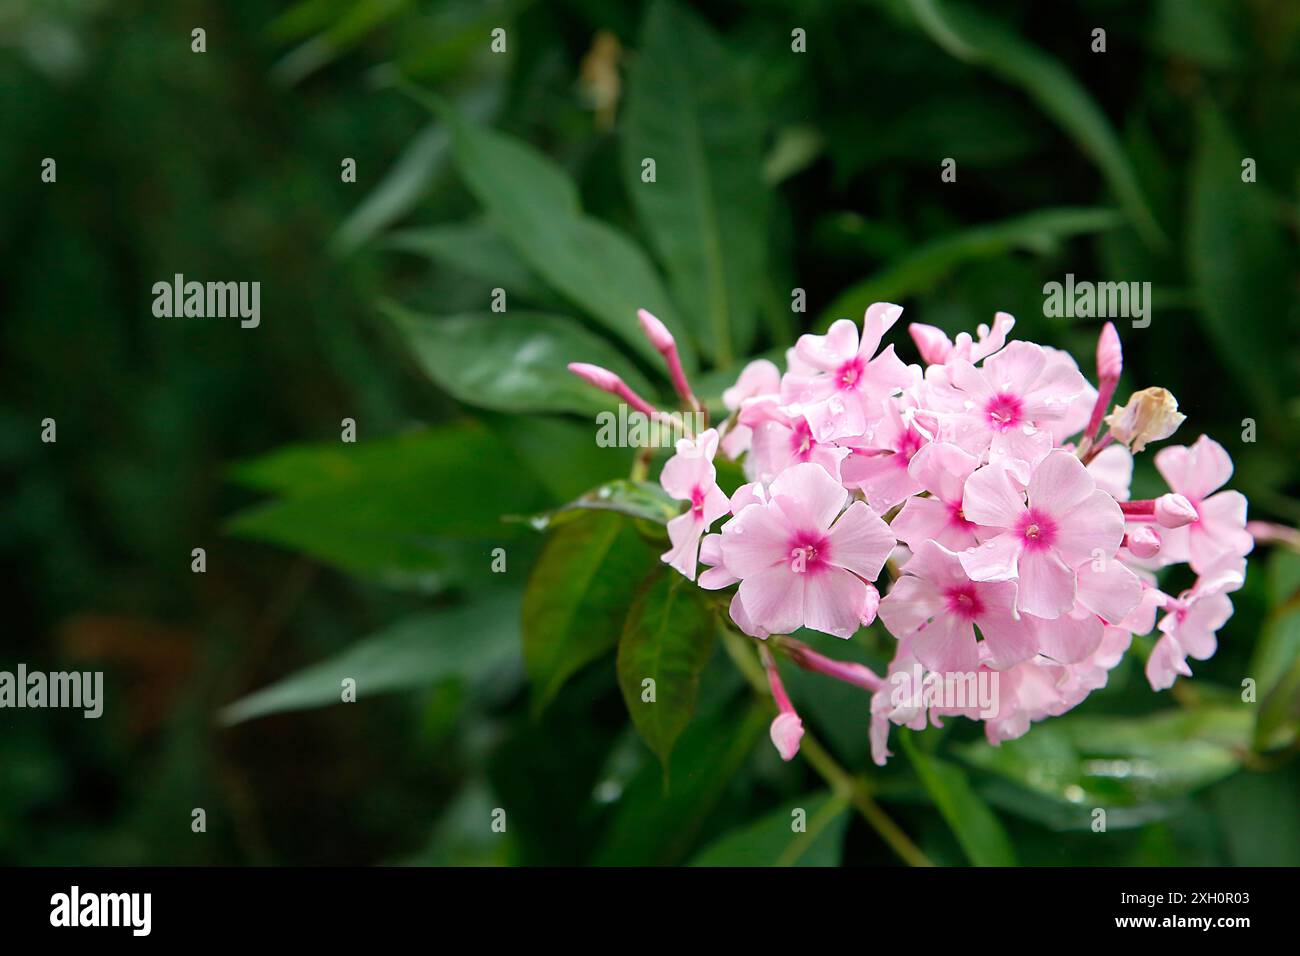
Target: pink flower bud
point(666, 345)
point(1143, 541)
point(602, 378)
point(1110, 356)
point(787, 731)
point(933, 343)
point(656, 331)
point(607, 381)
point(1174, 511)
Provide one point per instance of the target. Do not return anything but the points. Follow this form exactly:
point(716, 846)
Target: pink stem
point(851, 673)
point(774, 681)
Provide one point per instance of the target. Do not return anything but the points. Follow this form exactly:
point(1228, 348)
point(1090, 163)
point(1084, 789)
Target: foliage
point(478, 171)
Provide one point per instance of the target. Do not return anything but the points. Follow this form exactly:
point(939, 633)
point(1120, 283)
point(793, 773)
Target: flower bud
point(1174, 511)
point(607, 381)
point(1150, 415)
point(786, 732)
point(1143, 541)
point(1110, 355)
point(655, 331)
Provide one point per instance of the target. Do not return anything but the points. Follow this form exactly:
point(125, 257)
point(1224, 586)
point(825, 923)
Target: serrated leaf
point(668, 639)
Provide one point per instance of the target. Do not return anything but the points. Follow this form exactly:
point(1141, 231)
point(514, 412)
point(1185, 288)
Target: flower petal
point(861, 541)
point(1046, 584)
point(834, 602)
point(1093, 528)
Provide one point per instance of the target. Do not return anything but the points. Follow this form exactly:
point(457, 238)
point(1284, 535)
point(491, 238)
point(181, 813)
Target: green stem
point(841, 782)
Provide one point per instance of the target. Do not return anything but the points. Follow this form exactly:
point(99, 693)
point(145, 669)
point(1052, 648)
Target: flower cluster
point(982, 485)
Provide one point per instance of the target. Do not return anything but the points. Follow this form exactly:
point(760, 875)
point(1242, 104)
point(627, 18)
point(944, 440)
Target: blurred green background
point(375, 557)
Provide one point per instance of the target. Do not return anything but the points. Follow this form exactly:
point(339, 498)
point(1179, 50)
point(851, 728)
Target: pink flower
point(939, 607)
point(781, 439)
point(1066, 522)
point(798, 565)
point(760, 378)
point(690, 476)
point(880, 469)
point(1189, 627)
point(1112, 469)
point(847, 385)
point(942, 470)
point(889, 707)
point(1039, 688)
point(1219, 529)
point(1008, 401)
point(936, 348)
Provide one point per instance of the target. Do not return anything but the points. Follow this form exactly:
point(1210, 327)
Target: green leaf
point(984, 40)
point(690, 109)
point(772, 841)
point(578, 595)
point(400, 188)
point(1243, 267)
point(1275, 668)
point(1130, 766)
point(1039, 232)
point(667, 638)
point(660, 817)
point(473, 248)
point(638, 499)
point(536, 207)
point(976, 827)
point(1206, 32)
point(385, 505)
point(469, 642)
point(514, 362)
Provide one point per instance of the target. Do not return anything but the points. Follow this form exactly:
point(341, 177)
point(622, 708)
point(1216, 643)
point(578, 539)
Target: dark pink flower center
point(850, 373)
point(1037, 529)
point(962, 601)
point(697, 502)
point(809, 553)
point(908, 445)
point(957, 517)
point(1003, 411)
point(801, 441)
